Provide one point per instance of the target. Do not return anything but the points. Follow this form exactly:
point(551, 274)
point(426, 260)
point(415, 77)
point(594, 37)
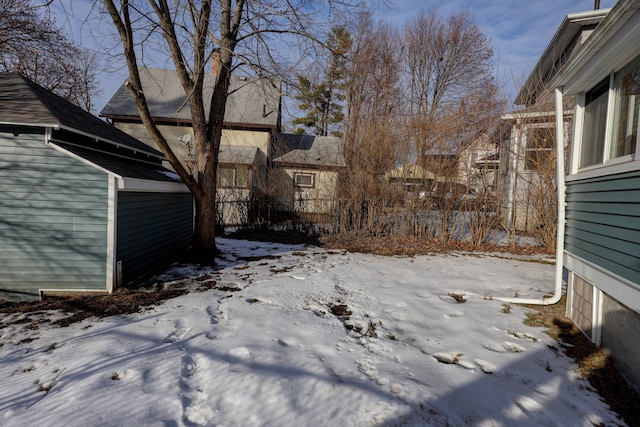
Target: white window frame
point(619, 164)
point(311, 175)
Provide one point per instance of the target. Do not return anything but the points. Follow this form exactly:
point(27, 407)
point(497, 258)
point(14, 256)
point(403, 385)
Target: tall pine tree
point(321, 98)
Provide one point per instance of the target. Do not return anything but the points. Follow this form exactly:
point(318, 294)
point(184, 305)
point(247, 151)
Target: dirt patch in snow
point(122, 301)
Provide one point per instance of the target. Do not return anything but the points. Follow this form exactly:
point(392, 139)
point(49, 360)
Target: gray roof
point(124, 167)
point(308, 150)
point(237, 154)
point(252, 101)
point(23, 102)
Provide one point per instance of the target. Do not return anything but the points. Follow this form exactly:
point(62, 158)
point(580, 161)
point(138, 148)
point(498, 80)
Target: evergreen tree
point(321, 98)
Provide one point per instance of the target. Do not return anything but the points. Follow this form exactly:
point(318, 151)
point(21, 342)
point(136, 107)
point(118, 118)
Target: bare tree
point(453, 101)
point(32, 45)
point(374, 106)
point(448, 61)
point(417, 102)
point(231, 33)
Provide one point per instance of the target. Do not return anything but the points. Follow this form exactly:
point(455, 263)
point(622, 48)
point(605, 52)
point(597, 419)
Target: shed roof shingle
point(23, 102)
point(308, 150)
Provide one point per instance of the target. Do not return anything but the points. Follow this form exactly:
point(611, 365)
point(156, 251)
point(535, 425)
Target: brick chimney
point(215, 62)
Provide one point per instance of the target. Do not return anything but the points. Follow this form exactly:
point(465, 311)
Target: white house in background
point(471, 164)
point(601, 238)
point(523, 178)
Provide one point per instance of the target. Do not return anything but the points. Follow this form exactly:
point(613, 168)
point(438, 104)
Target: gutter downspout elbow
point(561, 195)
point(557, 294)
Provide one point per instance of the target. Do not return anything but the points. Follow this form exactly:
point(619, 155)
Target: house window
point(234, 176)
point(595, 120)
point(303, 179)
point(625, 137)
point(540, 148)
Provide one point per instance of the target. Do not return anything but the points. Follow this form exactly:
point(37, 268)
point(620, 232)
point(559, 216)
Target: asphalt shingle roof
point(238, 154)
point(252, 101)
point(308, 150)
point(124, 167)
point(23, 102)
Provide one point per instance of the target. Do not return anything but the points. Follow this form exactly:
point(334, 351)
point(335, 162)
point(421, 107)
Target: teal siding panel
point(150, 227)
point(614, 234)
point(603, 219)
point(603, 222)
point(53, 217)
point(619, 182)
point(591, 252)
point(604, 196)
point(626, 208)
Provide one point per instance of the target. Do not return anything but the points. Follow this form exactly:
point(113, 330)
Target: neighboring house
point(241, 183)
point(84, 207)
point(602, 231)
point(477, 165)
point(251, 151)
point(471, 166)
point(414, 180)
point(305, 172)
point(527, 167)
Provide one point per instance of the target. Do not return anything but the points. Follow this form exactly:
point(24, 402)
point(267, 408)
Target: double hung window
point(611, 115)
point(625, 137)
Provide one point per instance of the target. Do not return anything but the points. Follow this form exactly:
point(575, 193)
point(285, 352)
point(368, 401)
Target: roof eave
point(569, 27)
point(567, 77)
point(171, 120)
point(28, 124)
point(117, 144)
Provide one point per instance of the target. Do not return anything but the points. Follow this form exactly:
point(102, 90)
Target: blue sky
point(518, 30)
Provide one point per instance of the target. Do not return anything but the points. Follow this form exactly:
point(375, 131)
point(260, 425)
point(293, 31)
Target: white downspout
point(557, 294)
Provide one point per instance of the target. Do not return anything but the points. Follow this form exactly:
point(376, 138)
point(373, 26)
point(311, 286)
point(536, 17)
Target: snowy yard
point(300, 336)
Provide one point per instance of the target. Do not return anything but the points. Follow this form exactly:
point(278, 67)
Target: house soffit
point(564, 39)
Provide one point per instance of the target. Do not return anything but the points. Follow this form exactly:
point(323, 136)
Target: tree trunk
point(204, 243)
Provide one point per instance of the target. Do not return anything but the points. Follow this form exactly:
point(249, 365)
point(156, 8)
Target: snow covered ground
point(270, 348)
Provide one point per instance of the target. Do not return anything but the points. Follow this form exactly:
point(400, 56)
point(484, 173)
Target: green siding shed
point(77, 196)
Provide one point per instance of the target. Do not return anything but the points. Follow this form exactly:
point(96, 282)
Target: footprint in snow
point(237, 357)
point(178, 333)
point(215, 315)
point(451, 315)
point(513, 347)
point(533, 410)
point(527, 336)
point(198, 411)
point(486, 367)
point(194, 401)
point(288, 342)
point(367, 367)
point(494, 346)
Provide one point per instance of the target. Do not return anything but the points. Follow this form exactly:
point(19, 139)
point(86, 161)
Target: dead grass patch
point(593, 363)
